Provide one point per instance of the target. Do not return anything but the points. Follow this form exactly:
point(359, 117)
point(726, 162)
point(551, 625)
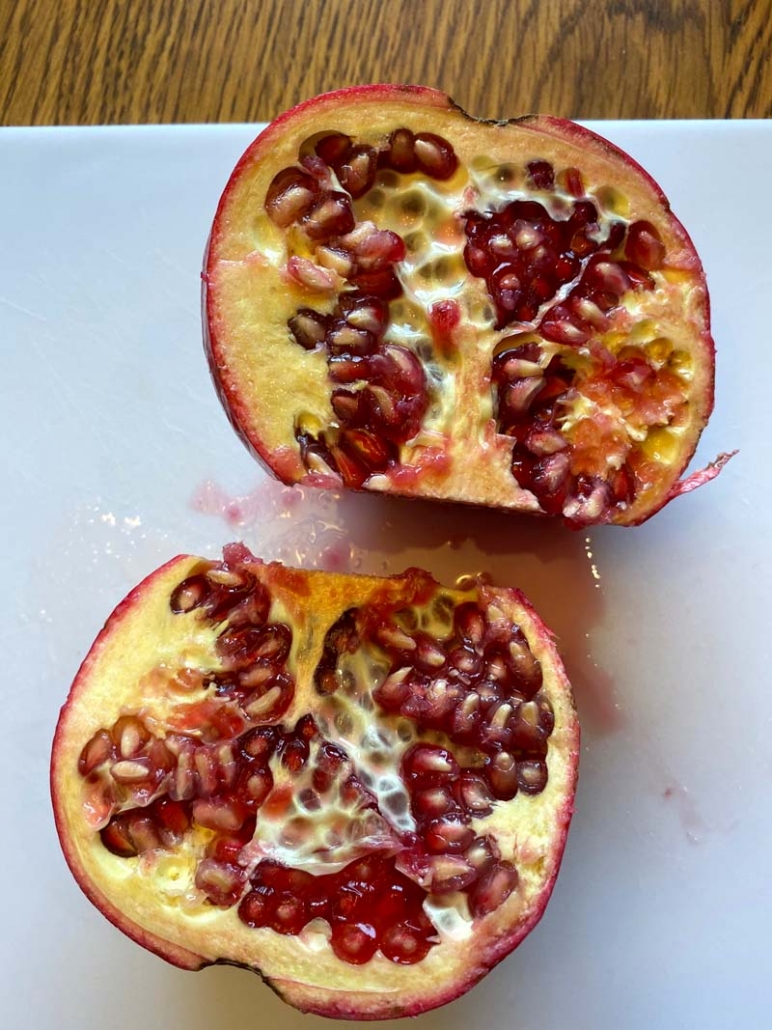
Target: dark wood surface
point(134, 61)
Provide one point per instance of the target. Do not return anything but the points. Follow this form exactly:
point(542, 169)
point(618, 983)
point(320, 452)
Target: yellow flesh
point(121, 675)
point(273, 380)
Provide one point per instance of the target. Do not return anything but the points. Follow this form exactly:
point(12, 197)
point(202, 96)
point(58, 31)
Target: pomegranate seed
point(379, 249)
point(448, 834)
point(482, 853)
point(428, 765)
point(259, 744)
point(644, 246)
point(224, 814)
point(367, 450)
point(368, 313)
point(344, 338)
point(444, 317)
point(492, 889)
point(290, 195)
point(502, 776)
point(330, 216)
point(295, 755)
point(346, 368)
point(393, 691)
point(143, 832)
point(574, 184)
point(516, 398)
point(306, 273)
point(623, 485)
point(306, 728)
point(256, 908)
point(590, 499)
point(383, 283)
point(309, 328)
point(402, 945)
point(289, 915)
point(98, 750)
point(190, 594)
point(450, 873)
point(606, 276)
point(254, 786)
point(541, 175)
point(354, 942)
point(469, 621)
point(222, 882)
point(352, 898)
point(115, 837)
point(173, 816)
point(183, 785)
point(479, 261)
point(517, 362)
point(472, 793)
point(357, 171)
point(429, 655)
point(347, 405)
point(550, 481)
point(563, 330)
point(131, 771)
point(206, 767)
point(432, 803)
point(434, 155)
point(246, 645)
point(532, 776)
point(334, 148)
point(490, 690)
point(496, 730)
point(401, 369)
point(466, 718)
point(392, 904)
point(528, 739)
point(393, 637)
point(261, 674)
point(401, 153)
point(336, 259)
point(545, 440)
point(639, 278)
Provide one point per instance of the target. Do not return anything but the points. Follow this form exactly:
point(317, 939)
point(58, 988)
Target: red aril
point(368, 851)
point(477, 243)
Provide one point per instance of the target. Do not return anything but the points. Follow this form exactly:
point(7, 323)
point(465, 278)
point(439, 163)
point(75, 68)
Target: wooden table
point(125, 61)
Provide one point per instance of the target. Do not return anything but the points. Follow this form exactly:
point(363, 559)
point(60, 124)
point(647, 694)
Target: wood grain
point(135, 61)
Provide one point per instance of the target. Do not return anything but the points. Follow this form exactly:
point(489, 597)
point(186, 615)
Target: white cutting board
point(116, 455)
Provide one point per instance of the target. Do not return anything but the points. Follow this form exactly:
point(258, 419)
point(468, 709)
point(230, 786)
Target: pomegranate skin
point(271, 391)
point(138, 631)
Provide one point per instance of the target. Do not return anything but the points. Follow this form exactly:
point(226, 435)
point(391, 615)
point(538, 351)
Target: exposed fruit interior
point(538, 312)
point(365, 799)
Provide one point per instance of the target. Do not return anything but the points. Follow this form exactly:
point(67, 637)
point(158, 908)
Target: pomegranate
point(359, 787)
point(400, 298)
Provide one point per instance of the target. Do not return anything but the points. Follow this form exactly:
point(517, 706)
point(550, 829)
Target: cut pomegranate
point(500, 314)
point(312, 791)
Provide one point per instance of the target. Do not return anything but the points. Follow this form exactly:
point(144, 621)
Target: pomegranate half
point(358, 787)
point(401, 298)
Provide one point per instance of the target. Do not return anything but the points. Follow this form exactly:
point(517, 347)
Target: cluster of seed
point(380, 394)
point(370, 906)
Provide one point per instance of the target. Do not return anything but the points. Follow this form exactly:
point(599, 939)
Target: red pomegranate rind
point(306, 833)
point(496, 237)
